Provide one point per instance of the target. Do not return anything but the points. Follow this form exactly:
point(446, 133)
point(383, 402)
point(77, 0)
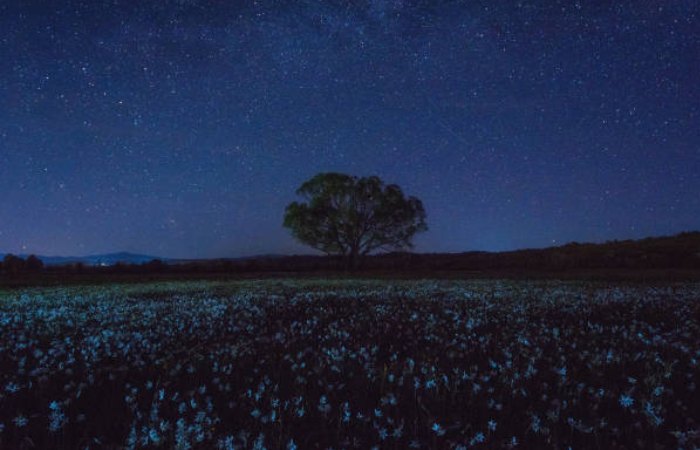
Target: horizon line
point(259, 255)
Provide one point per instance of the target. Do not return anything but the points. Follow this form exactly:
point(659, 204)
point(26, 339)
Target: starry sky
point(182, 128)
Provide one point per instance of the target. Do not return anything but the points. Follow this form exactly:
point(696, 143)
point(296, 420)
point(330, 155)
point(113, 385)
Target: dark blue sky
point(182, 127)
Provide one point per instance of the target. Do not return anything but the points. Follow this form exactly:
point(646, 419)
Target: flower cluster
point(285, 364)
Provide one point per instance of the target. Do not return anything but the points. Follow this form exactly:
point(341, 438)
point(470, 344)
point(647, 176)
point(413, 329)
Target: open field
point(285, 364)
point(58, 277)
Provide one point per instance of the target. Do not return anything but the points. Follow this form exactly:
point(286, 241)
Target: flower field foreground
point(353, 364)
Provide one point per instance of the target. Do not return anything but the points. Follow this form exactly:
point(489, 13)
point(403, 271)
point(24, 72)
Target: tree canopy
point(352, 216)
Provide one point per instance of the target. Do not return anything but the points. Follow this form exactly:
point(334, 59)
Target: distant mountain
point(107, 259)
point(110, 259)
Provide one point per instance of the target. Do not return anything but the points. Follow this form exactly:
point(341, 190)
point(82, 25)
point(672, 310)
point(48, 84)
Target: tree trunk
point(353, 260)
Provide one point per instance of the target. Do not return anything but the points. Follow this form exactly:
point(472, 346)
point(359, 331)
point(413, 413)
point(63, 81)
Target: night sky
point(181, 128)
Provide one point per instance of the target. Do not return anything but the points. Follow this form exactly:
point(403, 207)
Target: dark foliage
point(13, 265)
point(33, 264)
point(353, 217)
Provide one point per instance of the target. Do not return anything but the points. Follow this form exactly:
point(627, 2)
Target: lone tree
point(352, 217)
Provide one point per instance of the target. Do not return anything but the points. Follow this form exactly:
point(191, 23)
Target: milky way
point(182, 128)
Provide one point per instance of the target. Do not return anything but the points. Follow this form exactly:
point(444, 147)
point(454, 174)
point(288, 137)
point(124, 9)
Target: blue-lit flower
point(438, 429)
point(20, 421)
point(478, 438)
point(154, 436)
point(492, 425)
point(626, 401)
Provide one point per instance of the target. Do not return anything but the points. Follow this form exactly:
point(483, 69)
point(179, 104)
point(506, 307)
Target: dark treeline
point(676, 252)
point(14, 265)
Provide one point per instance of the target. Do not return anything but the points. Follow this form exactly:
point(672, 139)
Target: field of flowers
point(283, 364)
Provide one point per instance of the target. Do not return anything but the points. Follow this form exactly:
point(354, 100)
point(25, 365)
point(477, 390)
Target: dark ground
point(53, 278)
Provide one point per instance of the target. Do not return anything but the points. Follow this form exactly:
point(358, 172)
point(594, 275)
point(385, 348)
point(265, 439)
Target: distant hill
point(107, 259)
point(666, 252)
point(681, 251)
point(110, 259)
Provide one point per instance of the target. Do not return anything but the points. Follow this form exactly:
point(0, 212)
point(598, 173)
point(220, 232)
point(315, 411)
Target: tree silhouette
point(12, 265)
point(352, 217)
point(34, 264)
